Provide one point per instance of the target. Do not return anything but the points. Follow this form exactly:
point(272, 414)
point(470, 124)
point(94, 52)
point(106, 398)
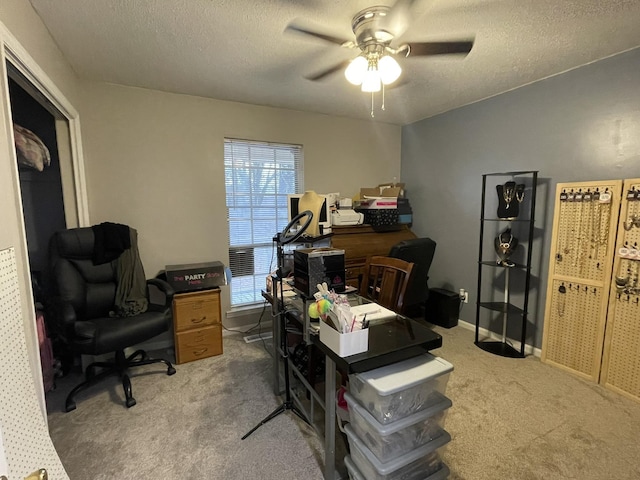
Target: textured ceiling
point(238, 50)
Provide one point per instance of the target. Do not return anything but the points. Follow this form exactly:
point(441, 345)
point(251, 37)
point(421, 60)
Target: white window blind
point(258, 178)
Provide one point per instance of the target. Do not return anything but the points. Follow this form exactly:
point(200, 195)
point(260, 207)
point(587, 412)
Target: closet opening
point(46, 177)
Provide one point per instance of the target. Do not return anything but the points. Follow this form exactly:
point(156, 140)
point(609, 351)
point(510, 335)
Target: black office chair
point(418, 251)
point(79, 310)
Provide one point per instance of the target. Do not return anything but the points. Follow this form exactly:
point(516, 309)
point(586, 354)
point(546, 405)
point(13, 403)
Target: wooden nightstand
point(197, 325)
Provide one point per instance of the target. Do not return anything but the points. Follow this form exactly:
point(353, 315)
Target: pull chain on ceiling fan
point(375, 29)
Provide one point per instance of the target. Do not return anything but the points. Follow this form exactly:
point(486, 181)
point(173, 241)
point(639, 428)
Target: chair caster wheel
point(70, 406)
point(131, 402)
point(171, 371)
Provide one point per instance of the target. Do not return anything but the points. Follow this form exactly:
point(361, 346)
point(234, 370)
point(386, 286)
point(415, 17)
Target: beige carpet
point(522, 419)
point(187, 426)
point(511, 419)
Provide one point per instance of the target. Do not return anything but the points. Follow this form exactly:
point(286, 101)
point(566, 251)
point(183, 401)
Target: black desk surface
point(388, 343)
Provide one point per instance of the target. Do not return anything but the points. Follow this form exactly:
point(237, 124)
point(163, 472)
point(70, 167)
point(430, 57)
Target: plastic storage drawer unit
point(352, 470)
point(354, 473)
point(418, 464)
point(389, 441)
point(398, 390)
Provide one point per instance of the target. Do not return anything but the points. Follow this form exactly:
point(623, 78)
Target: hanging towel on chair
point(131, 292)
point(118, 244)
point(110, 240)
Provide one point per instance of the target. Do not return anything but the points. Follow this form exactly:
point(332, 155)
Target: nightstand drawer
point(196, 310)
point(198, 343)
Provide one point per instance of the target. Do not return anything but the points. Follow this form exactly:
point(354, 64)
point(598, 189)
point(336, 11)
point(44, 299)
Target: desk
point(360, 242)
point(388, 343)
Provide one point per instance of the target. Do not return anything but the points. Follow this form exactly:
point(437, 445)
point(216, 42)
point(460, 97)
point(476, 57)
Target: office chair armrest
point(164, 288)
point(63, 317)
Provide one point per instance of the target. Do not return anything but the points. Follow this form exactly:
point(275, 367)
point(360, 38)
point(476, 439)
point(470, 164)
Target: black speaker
point(443, 307)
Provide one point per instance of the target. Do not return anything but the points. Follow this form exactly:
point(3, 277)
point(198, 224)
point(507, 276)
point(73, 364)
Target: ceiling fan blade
point(397, 20)
point(322, 36)
point(328, 71)
point(439, 48)
point(401, 82)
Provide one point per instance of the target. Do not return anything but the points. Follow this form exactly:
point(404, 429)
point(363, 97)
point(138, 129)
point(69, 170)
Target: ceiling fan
point(375, 30)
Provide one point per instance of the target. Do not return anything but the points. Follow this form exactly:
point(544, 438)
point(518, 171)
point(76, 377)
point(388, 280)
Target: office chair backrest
point(420, 252)
point(385, 281)
point(89, 288)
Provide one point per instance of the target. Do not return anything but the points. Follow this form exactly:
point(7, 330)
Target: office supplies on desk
point(345, 318)
point(344, 344)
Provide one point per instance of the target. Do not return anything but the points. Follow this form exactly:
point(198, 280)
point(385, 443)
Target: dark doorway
point(40, 179)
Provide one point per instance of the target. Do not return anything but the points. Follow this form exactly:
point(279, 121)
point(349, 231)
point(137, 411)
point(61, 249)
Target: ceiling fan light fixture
point(389, 69)
point(356, 70)
point(371, 81)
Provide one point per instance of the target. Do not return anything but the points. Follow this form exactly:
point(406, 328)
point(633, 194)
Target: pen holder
point(344, 344)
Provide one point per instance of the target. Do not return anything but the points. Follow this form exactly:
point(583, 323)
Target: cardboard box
point(376, 203)
point(344, 344)
point(312, 266)
point(390, 189)
point(196, 276)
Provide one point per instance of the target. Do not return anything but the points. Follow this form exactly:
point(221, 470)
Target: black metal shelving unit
point(506, 308)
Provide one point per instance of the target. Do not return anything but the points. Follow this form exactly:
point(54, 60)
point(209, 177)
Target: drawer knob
point(200, 352)
point(198, 320)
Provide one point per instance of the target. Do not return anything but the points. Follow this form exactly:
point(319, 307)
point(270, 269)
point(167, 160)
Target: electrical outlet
point(464, 295)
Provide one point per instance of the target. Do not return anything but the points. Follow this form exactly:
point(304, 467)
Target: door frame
point(13, 52)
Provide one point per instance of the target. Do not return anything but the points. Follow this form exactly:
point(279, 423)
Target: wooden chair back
point(385, 281)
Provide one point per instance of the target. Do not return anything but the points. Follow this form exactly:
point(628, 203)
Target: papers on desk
point(375, 313)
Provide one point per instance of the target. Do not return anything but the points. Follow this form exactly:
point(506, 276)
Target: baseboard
point(528, 349)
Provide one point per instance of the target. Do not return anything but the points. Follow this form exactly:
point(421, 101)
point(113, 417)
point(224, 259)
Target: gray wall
point(582, 125)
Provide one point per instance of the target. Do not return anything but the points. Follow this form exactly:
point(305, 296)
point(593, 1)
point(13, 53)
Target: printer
point(346, 217)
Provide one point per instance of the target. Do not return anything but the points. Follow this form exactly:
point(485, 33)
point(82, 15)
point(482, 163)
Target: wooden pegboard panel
point(573, 331)
point(583, 232)
point(581, 261)
point(621, 360)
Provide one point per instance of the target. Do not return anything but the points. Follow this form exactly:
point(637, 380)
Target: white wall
point(21, 28)
point(25, 25)
point(154, 161)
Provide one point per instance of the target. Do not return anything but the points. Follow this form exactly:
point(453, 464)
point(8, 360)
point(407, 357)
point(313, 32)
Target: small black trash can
point(443, 307)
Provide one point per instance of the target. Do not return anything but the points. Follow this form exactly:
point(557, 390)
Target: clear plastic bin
point(389, 441)
point(354, 473)
point(352, 470)
point(417, 464)
point(398, 390)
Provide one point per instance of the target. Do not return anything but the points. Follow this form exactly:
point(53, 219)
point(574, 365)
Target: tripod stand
point(282, 239)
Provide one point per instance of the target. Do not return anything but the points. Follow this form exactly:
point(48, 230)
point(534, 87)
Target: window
point(258, 178)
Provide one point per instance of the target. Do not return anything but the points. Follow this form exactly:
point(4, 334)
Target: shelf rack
point(526, 221)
